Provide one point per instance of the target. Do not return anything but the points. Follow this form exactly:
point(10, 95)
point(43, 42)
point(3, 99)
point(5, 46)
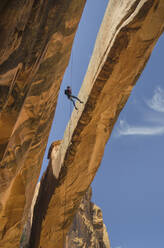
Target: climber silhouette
point(68, 92)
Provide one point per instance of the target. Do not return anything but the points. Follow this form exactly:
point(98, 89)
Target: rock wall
point(36, 39)
point(87, 229)
point(130, 29)
point(35, 43)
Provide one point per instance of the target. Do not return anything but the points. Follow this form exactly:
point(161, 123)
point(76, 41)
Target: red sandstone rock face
point(35, 45)
point(130, 29)
point(87, 229)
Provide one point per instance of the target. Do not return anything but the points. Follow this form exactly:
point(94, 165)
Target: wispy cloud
point(126, 129)
point(153, 117)
point(157, 101)
point(117, 247)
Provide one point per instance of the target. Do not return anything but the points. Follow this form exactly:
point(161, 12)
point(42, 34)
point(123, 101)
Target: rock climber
point(68, 92)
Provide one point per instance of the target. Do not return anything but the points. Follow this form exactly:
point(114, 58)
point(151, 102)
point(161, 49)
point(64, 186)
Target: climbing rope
point(69, 136)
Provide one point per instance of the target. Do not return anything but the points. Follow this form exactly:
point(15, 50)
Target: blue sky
point(129, 185)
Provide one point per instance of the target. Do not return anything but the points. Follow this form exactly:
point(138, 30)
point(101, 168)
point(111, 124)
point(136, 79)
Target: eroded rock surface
point(36, 39)
point(88, 229)
point(125, 41)
point(35, 44)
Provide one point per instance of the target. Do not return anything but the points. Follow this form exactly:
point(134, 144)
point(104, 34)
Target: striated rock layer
point(35, 44)
point(125, 41)
point(87, 229)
